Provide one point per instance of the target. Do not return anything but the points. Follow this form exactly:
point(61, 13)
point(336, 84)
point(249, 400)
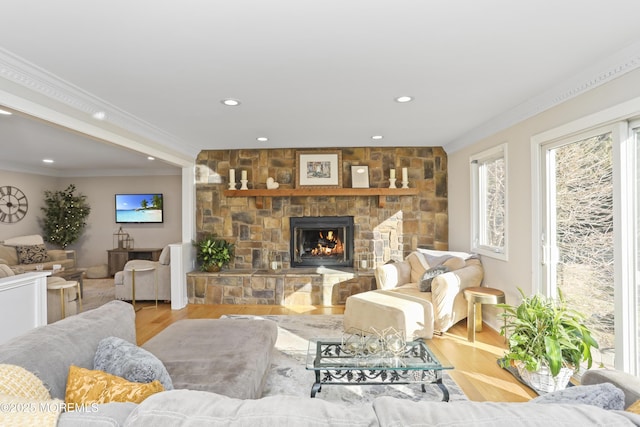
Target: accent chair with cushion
point(147, 272)
point(417, 296)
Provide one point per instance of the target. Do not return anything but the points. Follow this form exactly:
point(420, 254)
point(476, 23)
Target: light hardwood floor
point(476, 370)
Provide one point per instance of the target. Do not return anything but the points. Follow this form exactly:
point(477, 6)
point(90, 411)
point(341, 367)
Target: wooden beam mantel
point(382, 193)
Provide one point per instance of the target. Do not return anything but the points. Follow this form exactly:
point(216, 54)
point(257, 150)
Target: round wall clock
point(13, 204)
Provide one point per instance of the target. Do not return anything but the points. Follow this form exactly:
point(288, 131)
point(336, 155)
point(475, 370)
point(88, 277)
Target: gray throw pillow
point(604, 395)
point(119, 357)
point(427, 277)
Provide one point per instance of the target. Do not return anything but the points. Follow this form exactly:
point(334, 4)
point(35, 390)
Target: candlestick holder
point(244, 184)
point(364, 261)
point(405, 184)
point(392, 183)
point(232, 185)
point(275, 261)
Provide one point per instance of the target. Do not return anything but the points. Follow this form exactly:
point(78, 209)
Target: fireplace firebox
point(321, 241)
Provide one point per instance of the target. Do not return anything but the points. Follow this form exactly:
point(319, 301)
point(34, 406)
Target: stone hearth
point(296, 286)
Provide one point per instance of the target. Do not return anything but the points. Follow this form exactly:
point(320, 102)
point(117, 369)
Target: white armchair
point(400, 302)
point(147, 272)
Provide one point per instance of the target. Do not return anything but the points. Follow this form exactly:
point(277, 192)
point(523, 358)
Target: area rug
point(288, 375)
point(97, 292)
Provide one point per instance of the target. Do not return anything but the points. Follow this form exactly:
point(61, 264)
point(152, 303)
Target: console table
point(117, 258)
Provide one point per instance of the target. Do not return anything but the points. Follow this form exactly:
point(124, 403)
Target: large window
point(489, 202)
point(586, 226)
point(578, 234)
point(630, 274)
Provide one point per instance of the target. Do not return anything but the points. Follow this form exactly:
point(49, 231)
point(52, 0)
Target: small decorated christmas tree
point(65, 215)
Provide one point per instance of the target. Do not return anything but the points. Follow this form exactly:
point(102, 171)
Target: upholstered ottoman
point(231, 357)
point(381, 309)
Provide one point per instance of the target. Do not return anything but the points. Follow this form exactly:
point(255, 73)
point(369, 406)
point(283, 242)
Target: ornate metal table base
point(336, 363)
point(379, 377)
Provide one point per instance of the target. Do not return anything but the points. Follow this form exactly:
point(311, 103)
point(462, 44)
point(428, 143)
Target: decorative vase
point(542, 381)
point(214, 268)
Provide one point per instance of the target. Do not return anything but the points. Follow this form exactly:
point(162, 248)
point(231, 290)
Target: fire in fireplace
point(328, 245)
point(321, 241)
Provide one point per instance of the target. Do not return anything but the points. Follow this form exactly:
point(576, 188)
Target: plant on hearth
point(213, 253)
point(545, 334)
point(65, 215)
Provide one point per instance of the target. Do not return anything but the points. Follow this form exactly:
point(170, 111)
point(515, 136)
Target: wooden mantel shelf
point(382, 193)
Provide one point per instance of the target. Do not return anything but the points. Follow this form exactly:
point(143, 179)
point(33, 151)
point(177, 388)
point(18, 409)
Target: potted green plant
point(547, 341)
point(213, 253)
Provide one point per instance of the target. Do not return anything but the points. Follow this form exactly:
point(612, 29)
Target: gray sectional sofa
point(218, 368)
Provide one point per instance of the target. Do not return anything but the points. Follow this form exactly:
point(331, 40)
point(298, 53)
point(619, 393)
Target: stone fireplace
point(259, 224)
point(325, 241)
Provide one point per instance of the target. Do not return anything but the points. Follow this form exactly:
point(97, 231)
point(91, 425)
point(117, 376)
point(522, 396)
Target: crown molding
point(39, 81)
point(614, 66)
point(88, 173)
point(91, 173)
point(14, 167)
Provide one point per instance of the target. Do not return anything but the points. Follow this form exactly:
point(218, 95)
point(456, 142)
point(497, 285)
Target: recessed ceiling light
point(47, 160)
point(5, 113)
point(377, 137)
point(404, 99)
point(262, 138)
point(230, 102)
point(99, 115)
point(150, 158)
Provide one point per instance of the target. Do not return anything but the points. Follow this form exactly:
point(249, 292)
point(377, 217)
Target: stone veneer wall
point(388, 233)
point(296, 286)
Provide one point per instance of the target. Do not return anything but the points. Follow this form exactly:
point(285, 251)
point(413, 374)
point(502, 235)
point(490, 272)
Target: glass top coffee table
point(371, 362)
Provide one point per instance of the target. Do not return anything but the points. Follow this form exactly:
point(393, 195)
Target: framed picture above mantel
point(319, 169)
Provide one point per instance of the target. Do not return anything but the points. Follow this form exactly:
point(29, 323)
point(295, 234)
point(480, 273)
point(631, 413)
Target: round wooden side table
point(476, 296)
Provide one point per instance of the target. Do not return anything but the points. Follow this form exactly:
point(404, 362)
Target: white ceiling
point(318, 73)
point(27, 142)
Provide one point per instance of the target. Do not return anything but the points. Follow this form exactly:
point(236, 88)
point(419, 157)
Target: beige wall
point(33, 186)
point(98, 236)
point(517, 271)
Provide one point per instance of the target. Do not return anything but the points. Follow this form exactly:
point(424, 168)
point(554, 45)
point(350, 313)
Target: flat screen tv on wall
point(143, 208)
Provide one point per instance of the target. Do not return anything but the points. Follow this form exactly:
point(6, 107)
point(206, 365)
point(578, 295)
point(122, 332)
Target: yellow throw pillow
point(25, 399)
point(634, 407)
point(85, 387)
point(21, 411)
point(18, 382)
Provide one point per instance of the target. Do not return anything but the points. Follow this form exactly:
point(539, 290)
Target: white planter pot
point(542, 381)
